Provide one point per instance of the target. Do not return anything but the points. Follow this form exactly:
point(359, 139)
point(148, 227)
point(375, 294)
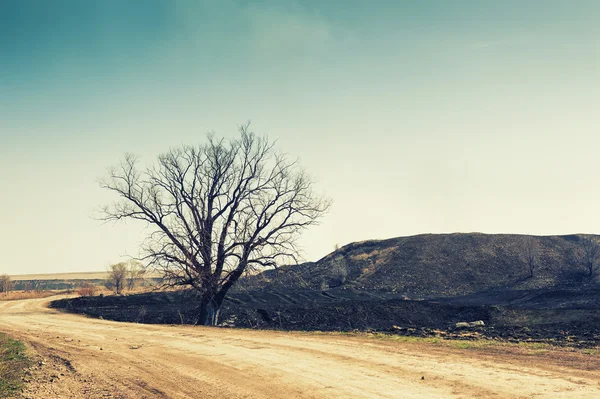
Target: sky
point(412, 116)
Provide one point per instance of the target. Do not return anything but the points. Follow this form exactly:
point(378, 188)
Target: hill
point(438, 265)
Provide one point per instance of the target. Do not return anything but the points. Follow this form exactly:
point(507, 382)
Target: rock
point(464, 324)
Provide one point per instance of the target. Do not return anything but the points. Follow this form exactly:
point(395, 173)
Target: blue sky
point(428, 116)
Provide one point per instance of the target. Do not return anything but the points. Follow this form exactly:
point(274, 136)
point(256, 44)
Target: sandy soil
point(79, 357)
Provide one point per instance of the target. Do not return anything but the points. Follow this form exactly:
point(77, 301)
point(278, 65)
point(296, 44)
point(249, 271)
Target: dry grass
point(12, 365)
point(523, 348)
point(361, 256)
point(16, 295)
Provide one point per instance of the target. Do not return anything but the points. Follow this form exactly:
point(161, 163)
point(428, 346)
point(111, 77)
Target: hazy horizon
point(413, 117)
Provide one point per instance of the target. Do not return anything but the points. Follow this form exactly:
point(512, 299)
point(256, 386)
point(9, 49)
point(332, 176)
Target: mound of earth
point(439, 265)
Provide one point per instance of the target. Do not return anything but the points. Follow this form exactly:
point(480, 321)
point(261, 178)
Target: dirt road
point(79, 357)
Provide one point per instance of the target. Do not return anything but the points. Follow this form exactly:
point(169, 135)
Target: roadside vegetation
point(16, 295)
point(523, 347)
point(13, 363)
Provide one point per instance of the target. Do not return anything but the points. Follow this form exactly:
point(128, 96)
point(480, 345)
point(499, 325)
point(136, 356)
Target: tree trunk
point(210, 304)
point(531, 269)
point(209, 311)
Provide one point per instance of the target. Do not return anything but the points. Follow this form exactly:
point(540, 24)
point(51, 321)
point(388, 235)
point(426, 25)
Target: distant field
point(68, 276)
point(61, 276)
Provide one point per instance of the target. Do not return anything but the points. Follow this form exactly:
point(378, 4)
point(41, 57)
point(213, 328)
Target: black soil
point(574, 324)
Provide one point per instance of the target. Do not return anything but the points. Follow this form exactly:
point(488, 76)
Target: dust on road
point(79, 357)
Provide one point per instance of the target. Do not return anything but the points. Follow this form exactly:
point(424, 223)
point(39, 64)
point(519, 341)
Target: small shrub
point(88, 289)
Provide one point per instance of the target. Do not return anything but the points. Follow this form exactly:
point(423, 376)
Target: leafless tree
point(591, 254)
point(5, 284)
point(117, 274)
point(218, 210)
point(531, 253)
point(135, 272)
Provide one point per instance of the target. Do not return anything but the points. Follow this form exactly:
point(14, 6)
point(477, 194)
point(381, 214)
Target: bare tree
point(117, 274)
point(218, 210)
point(135, 272)
point(591, 254)
point(531, 253)
point(5, 284)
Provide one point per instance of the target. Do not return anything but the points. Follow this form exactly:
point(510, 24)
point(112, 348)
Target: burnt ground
point(567, 316)
point(362, 286)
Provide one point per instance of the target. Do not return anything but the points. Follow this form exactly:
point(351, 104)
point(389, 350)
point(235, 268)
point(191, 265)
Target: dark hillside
point(438, 265)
